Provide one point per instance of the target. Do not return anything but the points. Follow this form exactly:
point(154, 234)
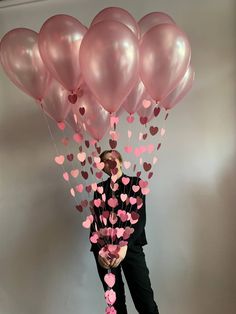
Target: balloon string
point(56, 149)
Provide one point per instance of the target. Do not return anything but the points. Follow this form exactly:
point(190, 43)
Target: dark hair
point(114, 152)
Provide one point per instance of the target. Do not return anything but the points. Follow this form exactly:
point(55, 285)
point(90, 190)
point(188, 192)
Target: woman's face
point(111, 163)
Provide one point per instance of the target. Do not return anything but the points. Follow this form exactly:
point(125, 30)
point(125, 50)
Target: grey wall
point(45, 263)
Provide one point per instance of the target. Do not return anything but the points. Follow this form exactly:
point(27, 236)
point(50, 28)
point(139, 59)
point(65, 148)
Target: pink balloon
point(164, 58)
point(119, 15)
point(91, 114)
point(153, 19)
point(22, 62)
point(180, 91)
point(59, 44)
point(109, 62)
point(132, 102)
point(56, 103)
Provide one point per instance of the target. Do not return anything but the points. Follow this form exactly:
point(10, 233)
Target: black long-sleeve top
point(138, 237)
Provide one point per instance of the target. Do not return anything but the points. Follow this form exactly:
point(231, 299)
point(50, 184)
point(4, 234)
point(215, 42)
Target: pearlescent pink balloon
point(180, 91)
point(56, 103)
point(119, 15)
point(164, 58)
point(22, 62)
point(132, 102)
point(109, 58)
point(59, 44)
point(95, 119)
point(153, 19)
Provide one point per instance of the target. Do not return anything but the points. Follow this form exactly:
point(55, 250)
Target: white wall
point(45, 263)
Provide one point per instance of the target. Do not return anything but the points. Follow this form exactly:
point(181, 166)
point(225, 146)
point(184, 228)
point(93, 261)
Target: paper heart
point(130, 119)
point(72, 192)
point(114, 186)
point(100, 189)
point(134, 217)
point(147, 166)
point(97, 159)
point(112, 144)
point(81, 156)
point(79, 208)
point(145, 136)
point(146, 103)
point(143, 184)
point(127, 164)
point(59, 159)
point(138, 174)
point(103, 220)
point(156, 111)
point(113, 121)
point(99, 175)
point(84, 203)
point(86, 143)
point(128, 232)
point(97, 202)
point(106, 214)
point(110, 279)
point(140, 161)
point(135, 188)
point(154, 160)
point(77, 137)
point(61, 125)
point(70, 157)
point(140, 136)
point(110, 310)
point(162, 131)
point(166, 116)
point(153, 130)
point(132, 200)
point(122, 214)
point(114, 135)
point(137, 152)
point(88, 188)
point(129, 134)
point(123, 197)
point(74, 173)
point(84, 174)
point(79, 188)
point(145, 191)
point(82, 111)
point(112, 202)
point(142, 149)
point(119, 232)
point(110, 296)
point(158, 146)
point(143, 120)
point(128, 149)
point(150, 175)
point(72, 98)
point(94, 186)
point(90, 160)
point(100, 165)
point(104, 197)
point(94, 238)
point(125, 180)
point(66, 176)
point(87, 223)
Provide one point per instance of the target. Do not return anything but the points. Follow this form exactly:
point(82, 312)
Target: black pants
point(137, 277)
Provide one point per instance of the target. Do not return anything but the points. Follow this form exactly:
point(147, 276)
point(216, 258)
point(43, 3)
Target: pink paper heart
point(81, 156)
point(99, 174)
point(74, 173)
point(143, 184)
point(112, 202)
point(132, 200)
point(146, 103)
point(97, 202)
point(119, 232)
point(59, 159)
point(127, 164)
point(130, 119)
point(162, 131)
point(145, 191)
point(104, 197)
point(103, 220)
point(97, 159)
point(94, 238)
point(114, 187)
point(128, 149)
point(137, 152)
point(110, 296)
point(100, 189)
point(125, 180)
point(114, 135)
point(123, 197)
point(113, 218)
point(66, 176)
point(135, 188)
point(65, 141)
point(110, 310)
point(122, 214)
point(94, 186)
point(100, 165)
point(110, 279)
point(77, 137)
point(79, 188)
point(129, 134)
point(72, 192)
point(87, 223)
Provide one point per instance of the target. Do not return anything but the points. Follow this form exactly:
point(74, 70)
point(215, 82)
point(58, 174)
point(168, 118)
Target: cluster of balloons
point(82, 75)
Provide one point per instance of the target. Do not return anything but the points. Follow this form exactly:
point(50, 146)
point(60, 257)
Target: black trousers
point(137, 276)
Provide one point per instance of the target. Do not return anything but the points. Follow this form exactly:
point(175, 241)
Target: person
point(131, 257)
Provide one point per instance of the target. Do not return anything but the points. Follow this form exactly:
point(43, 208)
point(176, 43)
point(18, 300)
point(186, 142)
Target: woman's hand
point(122, 253)
point(104, 262)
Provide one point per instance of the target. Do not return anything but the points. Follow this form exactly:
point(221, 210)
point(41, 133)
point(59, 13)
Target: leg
point(137, 276)
point(120, 304)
